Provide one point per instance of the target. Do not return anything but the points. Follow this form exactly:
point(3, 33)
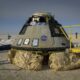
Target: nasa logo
point(44, 38)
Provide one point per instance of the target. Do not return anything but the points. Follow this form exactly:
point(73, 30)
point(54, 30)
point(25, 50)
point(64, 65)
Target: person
point(76, 35)
point(34, 21)
point(42, 21)
point(9, 36)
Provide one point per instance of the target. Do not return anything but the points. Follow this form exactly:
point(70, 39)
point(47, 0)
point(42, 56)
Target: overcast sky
point(14, 13)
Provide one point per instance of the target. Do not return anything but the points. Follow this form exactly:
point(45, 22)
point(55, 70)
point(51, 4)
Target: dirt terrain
point(11, 72)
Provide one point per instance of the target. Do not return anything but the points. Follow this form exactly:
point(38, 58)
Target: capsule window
point(19, 42)
point(26, 42)
point(35, 42)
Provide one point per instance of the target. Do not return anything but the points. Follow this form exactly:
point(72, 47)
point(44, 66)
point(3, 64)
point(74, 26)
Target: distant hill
point(6, 36)
point(75, 38)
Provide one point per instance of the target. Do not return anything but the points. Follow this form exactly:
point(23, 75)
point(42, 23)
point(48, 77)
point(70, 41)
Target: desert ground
point(11, 72)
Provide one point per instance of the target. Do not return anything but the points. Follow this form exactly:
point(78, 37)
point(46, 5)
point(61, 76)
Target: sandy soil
point(11, 72)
